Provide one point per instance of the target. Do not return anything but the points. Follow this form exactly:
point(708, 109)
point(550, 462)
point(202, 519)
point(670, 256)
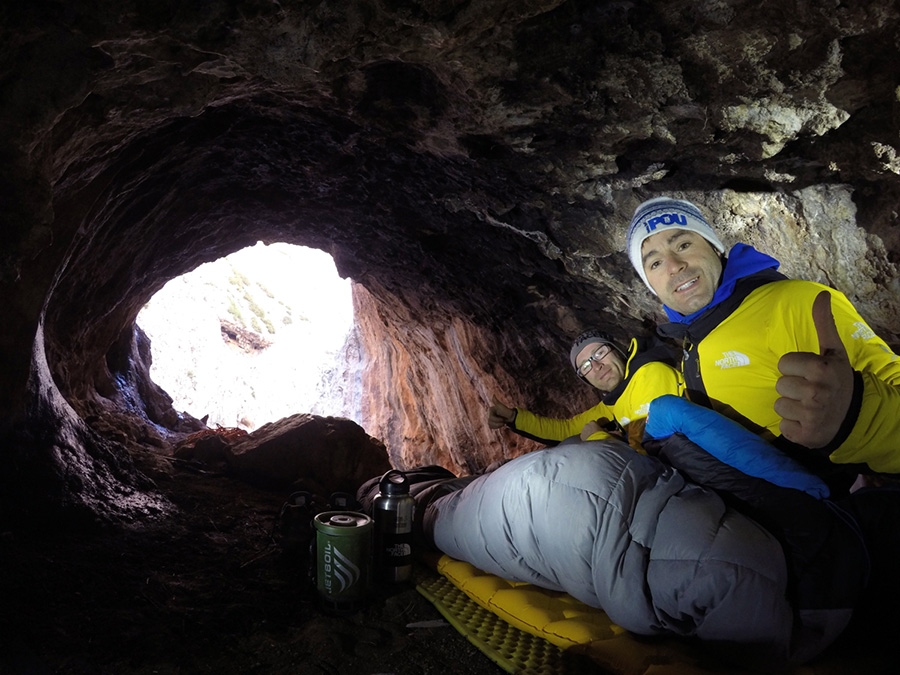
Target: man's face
point(683, 268)
point(606, 372)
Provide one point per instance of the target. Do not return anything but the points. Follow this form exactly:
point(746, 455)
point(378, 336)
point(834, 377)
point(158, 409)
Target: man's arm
point(816, 389)
point(868, 429)
point(554, 429)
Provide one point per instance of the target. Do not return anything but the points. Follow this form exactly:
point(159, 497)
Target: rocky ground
point(214, 589)
point(210, 590)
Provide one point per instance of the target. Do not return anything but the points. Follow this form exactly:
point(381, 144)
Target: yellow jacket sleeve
point(875, 436)
point(554, 429)
point(739, 362)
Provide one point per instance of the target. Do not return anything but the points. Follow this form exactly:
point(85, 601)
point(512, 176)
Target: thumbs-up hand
point(816, 389)
point(499, 414)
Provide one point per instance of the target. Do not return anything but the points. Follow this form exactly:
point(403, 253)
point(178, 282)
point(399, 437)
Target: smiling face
point(605, 373)
point(683, 269)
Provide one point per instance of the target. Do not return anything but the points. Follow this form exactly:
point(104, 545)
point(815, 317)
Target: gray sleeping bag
point(625, 533)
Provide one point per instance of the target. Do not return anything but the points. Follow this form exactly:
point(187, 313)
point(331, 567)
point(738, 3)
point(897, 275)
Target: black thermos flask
point(393, 514)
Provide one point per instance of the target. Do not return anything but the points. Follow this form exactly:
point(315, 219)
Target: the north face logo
point(862, 332)
point(733, 360)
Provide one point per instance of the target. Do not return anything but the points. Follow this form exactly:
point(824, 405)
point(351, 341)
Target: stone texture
point(470, 166)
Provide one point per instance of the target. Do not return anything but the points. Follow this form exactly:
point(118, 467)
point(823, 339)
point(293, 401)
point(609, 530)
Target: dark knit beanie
point(590, 336)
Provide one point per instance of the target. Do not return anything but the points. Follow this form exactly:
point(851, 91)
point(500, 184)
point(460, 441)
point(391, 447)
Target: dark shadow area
point(212, 590)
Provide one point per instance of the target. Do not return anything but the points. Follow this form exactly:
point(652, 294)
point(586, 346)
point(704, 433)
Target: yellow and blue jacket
point(649, 372)
point(731, 354)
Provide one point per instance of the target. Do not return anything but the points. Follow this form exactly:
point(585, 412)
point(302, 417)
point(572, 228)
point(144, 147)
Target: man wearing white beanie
point(663, 213)
point(792, 360)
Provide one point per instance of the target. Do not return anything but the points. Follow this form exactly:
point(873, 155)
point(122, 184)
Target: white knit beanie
point(662, 213)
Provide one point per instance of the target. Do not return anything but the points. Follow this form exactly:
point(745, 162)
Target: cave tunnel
point(201, 188)
point(470, 167)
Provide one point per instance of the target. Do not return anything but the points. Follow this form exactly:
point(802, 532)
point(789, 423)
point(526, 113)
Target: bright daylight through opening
point(254, 337)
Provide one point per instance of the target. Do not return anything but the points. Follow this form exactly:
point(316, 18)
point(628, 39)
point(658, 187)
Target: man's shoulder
point(785, 299)
point(796, 289)
point(656, 374)
point(794, 284)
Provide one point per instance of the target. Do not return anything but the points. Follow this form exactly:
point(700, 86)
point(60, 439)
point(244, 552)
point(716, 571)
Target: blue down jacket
point(659, 552)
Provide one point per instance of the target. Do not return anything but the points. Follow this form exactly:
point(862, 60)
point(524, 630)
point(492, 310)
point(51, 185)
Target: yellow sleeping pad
point(529, 630)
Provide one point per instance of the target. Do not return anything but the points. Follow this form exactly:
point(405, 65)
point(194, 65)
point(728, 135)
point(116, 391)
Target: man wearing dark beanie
point(628, 381)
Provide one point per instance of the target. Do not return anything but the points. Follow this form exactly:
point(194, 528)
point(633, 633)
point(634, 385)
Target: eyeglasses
point(588, 364)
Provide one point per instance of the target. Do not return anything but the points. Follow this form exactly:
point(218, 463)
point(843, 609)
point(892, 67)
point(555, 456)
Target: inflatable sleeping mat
point(528, 630)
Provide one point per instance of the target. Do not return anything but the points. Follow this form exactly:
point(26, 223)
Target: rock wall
point(430, 375)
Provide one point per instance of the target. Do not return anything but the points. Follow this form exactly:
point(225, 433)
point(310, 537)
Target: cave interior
point(471, 167)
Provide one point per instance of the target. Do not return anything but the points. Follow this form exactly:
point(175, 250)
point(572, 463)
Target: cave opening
point(261, 334)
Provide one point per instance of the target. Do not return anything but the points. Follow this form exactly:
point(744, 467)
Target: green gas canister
point(343, 559)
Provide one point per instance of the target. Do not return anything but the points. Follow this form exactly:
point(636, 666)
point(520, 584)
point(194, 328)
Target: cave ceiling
point(469, 165)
